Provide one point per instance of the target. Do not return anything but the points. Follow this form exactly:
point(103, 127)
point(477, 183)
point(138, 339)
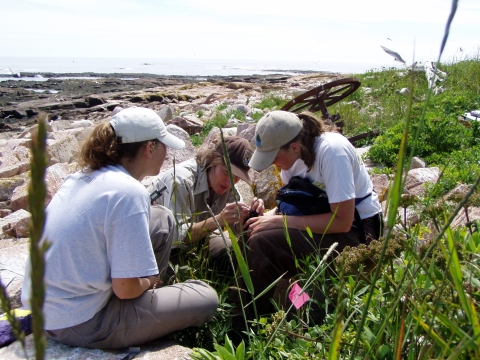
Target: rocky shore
point(75, 96)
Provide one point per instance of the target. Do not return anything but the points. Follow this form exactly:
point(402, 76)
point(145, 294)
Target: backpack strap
point(361, 231)
point(358, 221)
point(359, 200)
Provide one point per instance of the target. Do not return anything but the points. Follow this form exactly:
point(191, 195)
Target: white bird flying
point(395, 55)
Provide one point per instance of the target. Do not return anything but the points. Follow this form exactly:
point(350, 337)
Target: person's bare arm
point(229, 215)
point(131, 288)
point(319, 224)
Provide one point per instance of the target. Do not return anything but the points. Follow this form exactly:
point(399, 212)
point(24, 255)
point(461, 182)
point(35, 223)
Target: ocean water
point(182, 67)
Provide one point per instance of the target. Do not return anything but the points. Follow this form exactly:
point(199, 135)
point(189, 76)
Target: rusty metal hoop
point(319, 98)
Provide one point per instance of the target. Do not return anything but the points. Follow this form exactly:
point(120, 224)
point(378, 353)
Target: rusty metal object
point(319, 98)
point(364, 135)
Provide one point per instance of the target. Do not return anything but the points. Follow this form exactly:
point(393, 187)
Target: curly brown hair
point(103, 148)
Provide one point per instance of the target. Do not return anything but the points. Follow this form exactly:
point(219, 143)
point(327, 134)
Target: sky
point(310, 30)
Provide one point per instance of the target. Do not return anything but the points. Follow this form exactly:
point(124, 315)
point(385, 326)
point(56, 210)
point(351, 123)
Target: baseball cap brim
point(262, 159)
point(242, 174)
point(172, 141)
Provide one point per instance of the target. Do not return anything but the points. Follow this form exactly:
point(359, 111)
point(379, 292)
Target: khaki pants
point(156, 313)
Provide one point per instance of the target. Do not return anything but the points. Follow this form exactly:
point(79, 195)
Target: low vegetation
point(415, 293)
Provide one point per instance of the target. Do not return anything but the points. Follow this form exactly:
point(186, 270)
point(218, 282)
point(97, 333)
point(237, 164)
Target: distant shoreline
point(81, 95)
point(54, 75)
point(119, 67)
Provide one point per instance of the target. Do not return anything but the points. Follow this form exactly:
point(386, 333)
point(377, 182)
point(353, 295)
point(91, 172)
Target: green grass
point(218, 120)
point(415, 293)
point(270, 102)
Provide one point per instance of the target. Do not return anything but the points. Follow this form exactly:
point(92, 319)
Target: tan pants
point(156, 313)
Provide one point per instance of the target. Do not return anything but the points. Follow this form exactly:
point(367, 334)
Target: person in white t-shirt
point(300, 145)
point(109, 247)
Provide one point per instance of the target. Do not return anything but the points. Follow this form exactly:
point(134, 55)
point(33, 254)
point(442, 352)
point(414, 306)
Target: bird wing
point(393, 53)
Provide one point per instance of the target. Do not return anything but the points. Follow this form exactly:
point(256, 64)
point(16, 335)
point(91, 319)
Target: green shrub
point(271, 102)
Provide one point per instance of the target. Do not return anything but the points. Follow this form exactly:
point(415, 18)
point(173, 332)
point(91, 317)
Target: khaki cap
point(273, 131)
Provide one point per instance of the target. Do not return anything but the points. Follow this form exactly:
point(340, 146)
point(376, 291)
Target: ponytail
point(312, 127)
point(104, 148)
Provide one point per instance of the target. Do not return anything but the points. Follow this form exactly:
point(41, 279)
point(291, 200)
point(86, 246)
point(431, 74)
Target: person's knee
point(218, 246)
point(209, 297)
point(162, 222)
point(211, 303)
point(260, 242)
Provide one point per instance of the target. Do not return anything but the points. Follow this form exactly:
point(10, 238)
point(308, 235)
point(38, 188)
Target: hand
point(257, 224)
point(258, 206)
point(230, 214)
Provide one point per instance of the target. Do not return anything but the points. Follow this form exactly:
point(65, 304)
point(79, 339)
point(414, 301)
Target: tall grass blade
point(394, 202)
point(449, 324)
point(339, 325)
point(36, 200)
point(453, 10)
point(289, 241)
point(433, 334)
point(457, 277)
point(267, 289)
point(242, 265)
point(333, 353)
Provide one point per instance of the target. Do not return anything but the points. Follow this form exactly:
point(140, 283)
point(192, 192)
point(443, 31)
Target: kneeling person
point(196, 188)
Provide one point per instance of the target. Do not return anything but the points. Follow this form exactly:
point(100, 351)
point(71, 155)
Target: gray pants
point(156, 313)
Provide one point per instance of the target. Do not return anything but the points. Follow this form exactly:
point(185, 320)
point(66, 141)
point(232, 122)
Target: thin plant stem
point(36, 199)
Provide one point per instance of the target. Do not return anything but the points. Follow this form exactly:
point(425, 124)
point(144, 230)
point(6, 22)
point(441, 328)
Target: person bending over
point(195, 186)
point(300, 145)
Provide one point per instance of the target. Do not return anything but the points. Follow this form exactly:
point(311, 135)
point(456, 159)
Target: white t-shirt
point(97, 225)
point(339, 171)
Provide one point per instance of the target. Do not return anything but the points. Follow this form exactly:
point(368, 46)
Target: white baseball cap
point(273, 130)
point(141, 124)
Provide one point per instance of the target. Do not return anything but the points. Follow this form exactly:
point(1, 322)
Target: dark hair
point(104, 148)
point(209, 156)
point(312, 127)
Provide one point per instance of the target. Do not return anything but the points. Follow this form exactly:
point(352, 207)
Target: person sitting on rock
point(109, 247)
point(197, 188)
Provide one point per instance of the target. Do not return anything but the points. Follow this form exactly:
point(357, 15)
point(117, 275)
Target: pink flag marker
point(296, 298)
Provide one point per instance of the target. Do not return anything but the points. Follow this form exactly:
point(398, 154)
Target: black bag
point(301, 197)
